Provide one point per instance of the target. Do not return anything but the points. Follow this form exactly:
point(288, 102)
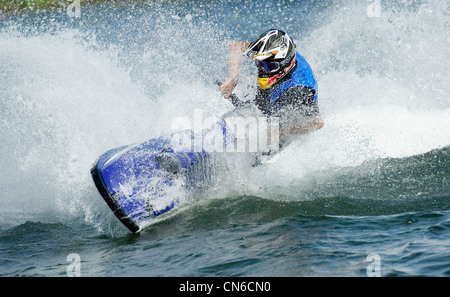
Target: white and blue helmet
point(273, 51)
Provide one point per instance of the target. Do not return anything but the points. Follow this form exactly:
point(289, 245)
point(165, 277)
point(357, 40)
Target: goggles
point(267, 81)
point(268, 67)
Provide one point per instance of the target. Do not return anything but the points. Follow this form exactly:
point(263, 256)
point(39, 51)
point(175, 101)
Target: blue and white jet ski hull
point(134, 179)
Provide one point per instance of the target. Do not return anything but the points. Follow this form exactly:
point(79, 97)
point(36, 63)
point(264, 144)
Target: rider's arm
point(300, 112)
point(308, 125)
point(235, 53)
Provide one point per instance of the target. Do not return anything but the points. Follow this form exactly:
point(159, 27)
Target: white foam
point(383, 92)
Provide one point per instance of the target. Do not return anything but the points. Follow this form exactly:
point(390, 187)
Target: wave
point(422, 176)
point(70, 93)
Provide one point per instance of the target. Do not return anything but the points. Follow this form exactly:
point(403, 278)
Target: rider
point(287, 88)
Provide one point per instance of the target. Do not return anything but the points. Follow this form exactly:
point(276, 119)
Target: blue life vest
point(302, 76)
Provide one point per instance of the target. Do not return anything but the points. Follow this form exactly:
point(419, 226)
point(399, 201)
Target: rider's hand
point(228, 86)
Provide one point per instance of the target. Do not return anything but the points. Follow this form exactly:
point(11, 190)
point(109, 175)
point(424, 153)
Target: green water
point(374, 182)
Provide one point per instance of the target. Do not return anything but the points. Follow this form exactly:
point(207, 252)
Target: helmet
point(274, 53)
